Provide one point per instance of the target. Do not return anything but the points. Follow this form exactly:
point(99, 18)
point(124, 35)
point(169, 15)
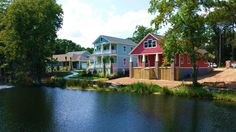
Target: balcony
point(105, 52)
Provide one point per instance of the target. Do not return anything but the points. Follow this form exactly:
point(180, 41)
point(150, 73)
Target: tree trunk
point(194, 65)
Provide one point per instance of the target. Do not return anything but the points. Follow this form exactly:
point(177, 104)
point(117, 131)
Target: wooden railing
point(164, 73)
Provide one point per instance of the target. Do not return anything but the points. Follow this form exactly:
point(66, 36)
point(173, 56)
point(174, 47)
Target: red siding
point(141, 50)
point(200, 63)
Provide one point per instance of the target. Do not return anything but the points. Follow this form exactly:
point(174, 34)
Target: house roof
point(154, 35)
point(78, 52)
point(73, 56)
point(117, 40)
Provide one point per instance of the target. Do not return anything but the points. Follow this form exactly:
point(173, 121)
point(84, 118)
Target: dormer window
point(150, 43)
point(145, 44)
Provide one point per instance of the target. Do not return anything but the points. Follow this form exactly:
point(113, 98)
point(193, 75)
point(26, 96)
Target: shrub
point(57, 82)
point(102, 84)
point(79, 83)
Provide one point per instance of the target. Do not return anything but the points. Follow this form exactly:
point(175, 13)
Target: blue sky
point(85, 20)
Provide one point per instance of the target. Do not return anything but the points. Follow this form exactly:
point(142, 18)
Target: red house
point(150, 59)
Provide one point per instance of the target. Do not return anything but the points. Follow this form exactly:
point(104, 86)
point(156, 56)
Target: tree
point(63, 46)
point(187, 32)
point(3, 6)
point(29, 33)
point(222, 21)
point(140, 32)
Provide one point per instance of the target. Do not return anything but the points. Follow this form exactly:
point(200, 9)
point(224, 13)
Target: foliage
point(190, 91)
point(29, 30)
point(102, 84)
point(187, 32)
point(222, 21)
point(63, 46)
point(79, 83)
point(140, 32)
point(227, 96)
point(142, 88)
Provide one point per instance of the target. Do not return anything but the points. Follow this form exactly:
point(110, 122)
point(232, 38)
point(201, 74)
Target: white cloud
point(84, 23)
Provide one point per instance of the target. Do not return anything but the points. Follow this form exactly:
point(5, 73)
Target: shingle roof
point(118, 40)
point(157, 36)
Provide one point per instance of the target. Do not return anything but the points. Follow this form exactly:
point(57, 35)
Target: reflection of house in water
point(72, 60)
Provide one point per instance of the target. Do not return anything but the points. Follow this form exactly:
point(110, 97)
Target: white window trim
point(148, 44)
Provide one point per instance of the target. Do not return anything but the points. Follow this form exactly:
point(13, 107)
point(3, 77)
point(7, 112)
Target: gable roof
point(154, 35)
point(116, 40)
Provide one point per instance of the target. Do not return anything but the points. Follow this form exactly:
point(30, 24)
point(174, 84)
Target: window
point(124, 62)
point(124, 48)
point(145, 44)
point(131, 48)
point(65, 58)
point(150, 43)
point(181, 59)
point(154, 44)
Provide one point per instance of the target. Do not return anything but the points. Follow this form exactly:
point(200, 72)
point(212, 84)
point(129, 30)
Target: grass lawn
point(91, 78)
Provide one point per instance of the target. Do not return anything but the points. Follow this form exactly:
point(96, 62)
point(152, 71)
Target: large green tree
point(222, 20)
point(140, 32)
point(187, 32)
point(29, 32)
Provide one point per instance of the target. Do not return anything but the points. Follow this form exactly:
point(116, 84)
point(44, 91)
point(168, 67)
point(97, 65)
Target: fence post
point(172, 71)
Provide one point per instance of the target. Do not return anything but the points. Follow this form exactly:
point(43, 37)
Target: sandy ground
point(127, 80)
point(227, 76)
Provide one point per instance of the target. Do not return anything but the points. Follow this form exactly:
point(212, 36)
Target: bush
point(80, 83)
point(190, 91)
point(102, 84)
point(57, 82)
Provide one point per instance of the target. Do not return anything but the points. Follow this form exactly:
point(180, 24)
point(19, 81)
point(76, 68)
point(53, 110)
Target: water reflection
point(25, 109)
point(47, 109)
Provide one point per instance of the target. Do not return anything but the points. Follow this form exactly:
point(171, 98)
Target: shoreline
point(180, 91)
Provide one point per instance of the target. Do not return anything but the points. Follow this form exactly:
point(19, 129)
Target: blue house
point(111, 55)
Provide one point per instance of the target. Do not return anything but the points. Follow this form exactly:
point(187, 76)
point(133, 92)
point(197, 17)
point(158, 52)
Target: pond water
point(54, 109)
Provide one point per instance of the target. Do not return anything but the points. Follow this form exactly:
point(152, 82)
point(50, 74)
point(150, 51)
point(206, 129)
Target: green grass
point(227, 96)
point(59, 74)
point(91, 78)
point(190, 91)
point(142, 88)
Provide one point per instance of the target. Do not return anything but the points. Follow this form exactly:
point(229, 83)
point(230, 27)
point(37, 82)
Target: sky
point(85, 20)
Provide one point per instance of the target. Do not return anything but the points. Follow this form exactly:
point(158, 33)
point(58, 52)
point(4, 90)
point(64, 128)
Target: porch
point(150, 67)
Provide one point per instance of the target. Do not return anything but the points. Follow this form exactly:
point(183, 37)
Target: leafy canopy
point(188, 30)
point(29, 32)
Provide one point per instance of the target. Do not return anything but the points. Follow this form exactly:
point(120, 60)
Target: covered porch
point(150, 67)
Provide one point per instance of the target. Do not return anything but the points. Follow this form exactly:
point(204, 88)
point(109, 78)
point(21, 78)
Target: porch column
point(101, 48)
point(172, 70)
point(143, 61)
point(101, 61)
point(157, 66)
point(111, 67)
point(110, 48)
point(131, 67)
